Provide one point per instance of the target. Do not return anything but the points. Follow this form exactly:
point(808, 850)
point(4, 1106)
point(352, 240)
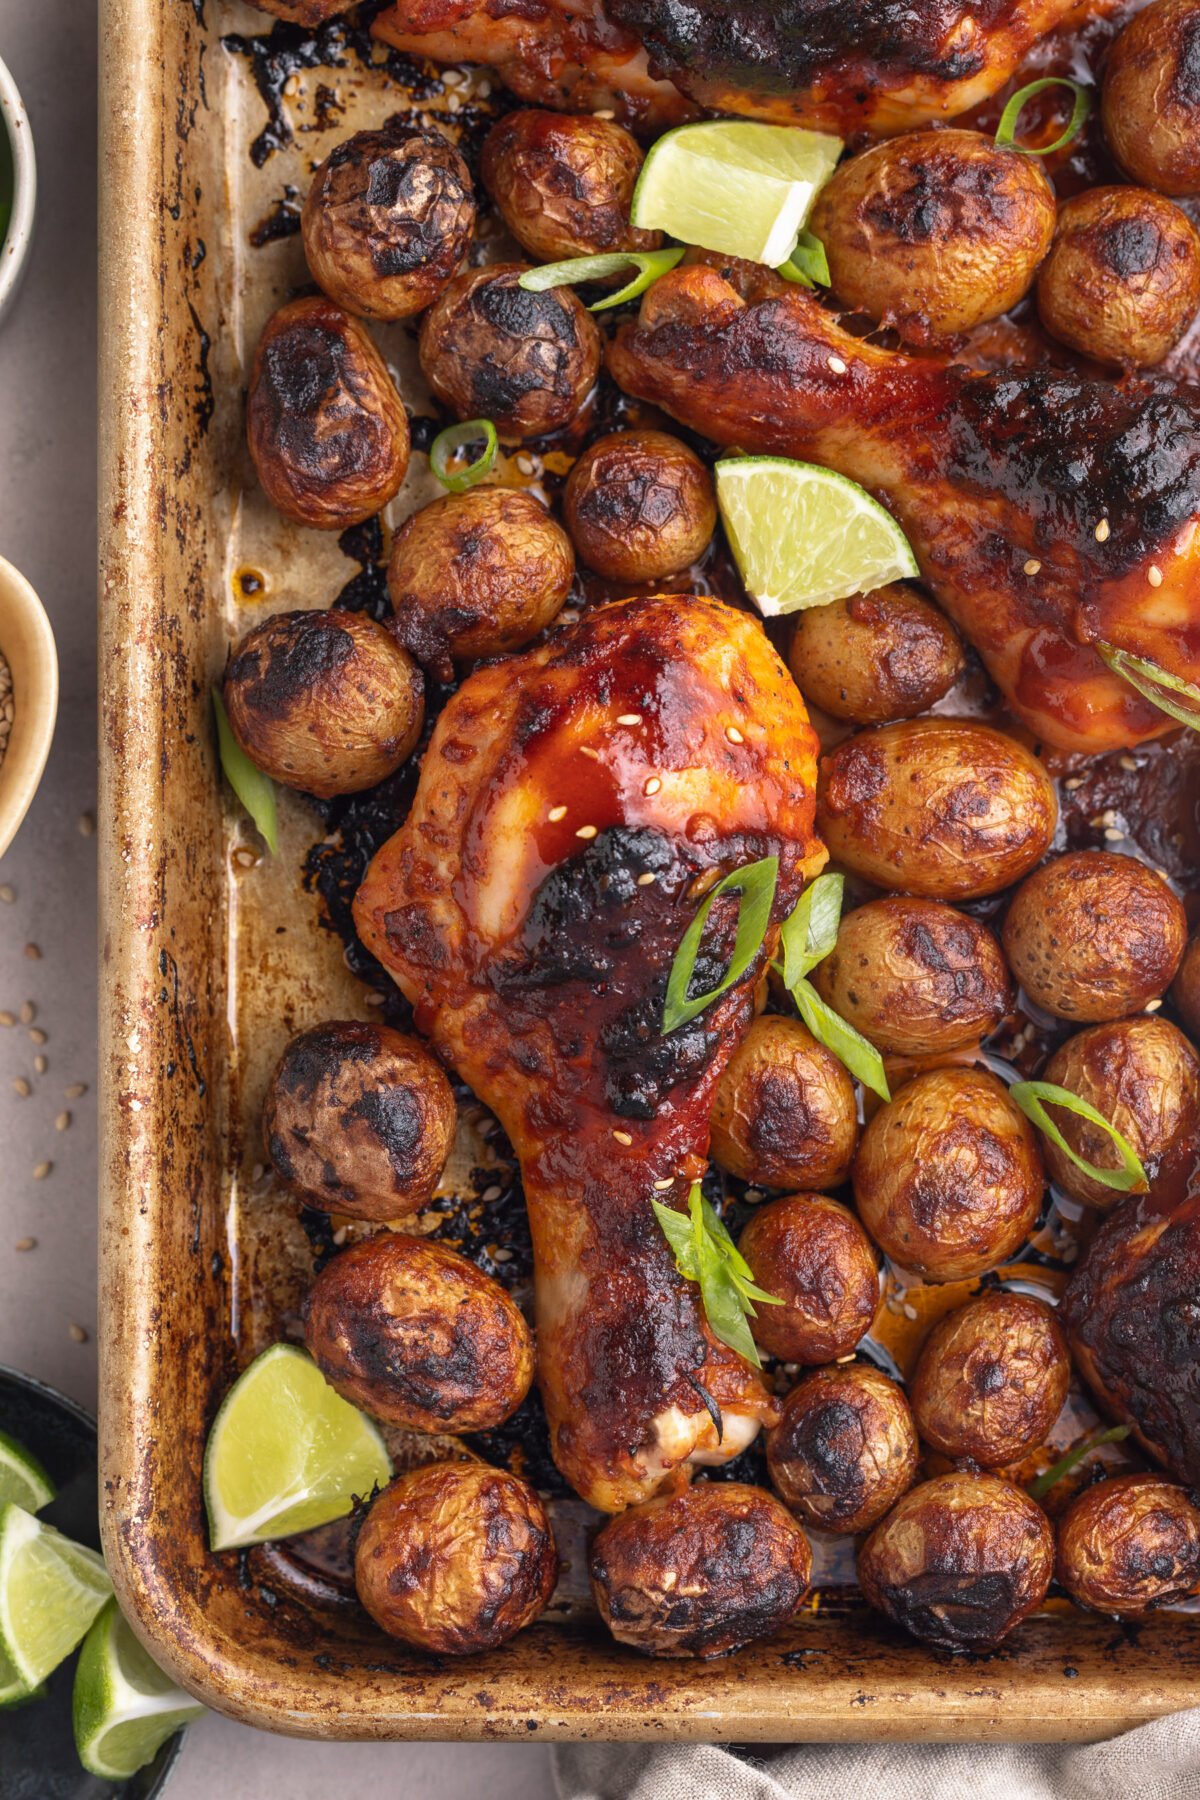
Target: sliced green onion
point(810, 932)
point(704, 1252)
point(1029, 1096)
point(808, 264)
point(1006, 130)
point(650, 266)
point(1066, 1463)
point(1149, 678)
point(849, 1046)
point(756, 885)
point(448, 443)
point(255, 790)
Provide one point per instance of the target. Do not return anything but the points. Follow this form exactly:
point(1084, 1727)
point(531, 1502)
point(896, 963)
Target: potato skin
point(915, 977)
point(1129, 1545)
point(563, 184)
point(845, 1448)
point(1122, 281)
point(948, 1179)
point(700, 1572)
point(456, 1557)
point(477, 574)
point(1092, 936)
point(415, 1334)
point(639, 505)
point(489, 350)
point(327, 702)
point(785, 1114)
point(991, 1379)
point(887, 654)
point(812, 1253)
point(387, 221)
point(959, 1561)
point(1150, 104)
point(361, 1118)
point(933, 232)
point(936, 807)
point(327, 430)
point(1185, 993)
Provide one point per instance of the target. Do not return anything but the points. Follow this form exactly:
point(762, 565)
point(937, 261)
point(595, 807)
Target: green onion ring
point(651, 265)
point(1080, 112)
point(1029, 1096)
point(1148, 678)
point(447, 442)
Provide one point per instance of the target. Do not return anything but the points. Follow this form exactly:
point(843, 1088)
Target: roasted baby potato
point(477, 574)
point(639, 505)
point(991, 1379)
point(1150, 105)
point(700, 1572)
point(784, 1113)
point(490, 350)
point(327, 702)
point(915, 977)
point(563, 183)
point(933, 232)
point(455, 1557)
point(1186, 990)
point(418, 1336)
point(1128, 1545)
point(1122, 281)
point(959, 1561)
point(937, 807)
point(875, 657)
point(845, 1448)
point(388, 220)
point(327, 430)
point(812, 1254)
point(1093, 936)
point(361, 1118)
point(948, 1179)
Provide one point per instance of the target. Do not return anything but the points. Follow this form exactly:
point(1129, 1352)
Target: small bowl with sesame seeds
point(28, 697)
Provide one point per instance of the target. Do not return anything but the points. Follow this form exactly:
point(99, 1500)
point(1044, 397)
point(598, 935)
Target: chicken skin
point(574, 804)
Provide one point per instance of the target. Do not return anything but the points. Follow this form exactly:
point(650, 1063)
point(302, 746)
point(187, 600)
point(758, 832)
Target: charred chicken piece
point(845, 1448)
point(531, 908)
point(639, 506)
point(785, 1113)
point(876, 657)
point(1151, 100)
point(991, 1379)
point(1129, 1545)
point(814, 1256)
point(301, 12)
point(563, 184)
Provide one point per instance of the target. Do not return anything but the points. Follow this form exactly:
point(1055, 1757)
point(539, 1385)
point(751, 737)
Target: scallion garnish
point(806, 939)
point(1006, 130)
point(756, 886)
point(255, 790)
point(808, 264)
point(705, 1252)
point(1032, 1098)
point(1150, 678)
point(448, 443)
point(1065, 1464)
point(650, 266)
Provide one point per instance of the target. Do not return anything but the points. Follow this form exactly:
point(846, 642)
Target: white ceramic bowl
point(27, 643)
point(15, 248)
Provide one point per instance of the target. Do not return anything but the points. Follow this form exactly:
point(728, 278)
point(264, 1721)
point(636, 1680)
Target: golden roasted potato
point(490, 350)
point(1092, 936)
point(361, 1118)
point(639, 505)
point(455, 1557)
point(1128, 1545)
point(327, 702)
point(1150, 105)
point(700, 1572)
point(933, 232)
point(938, 807)
point(875, 657)
point(991, 1379)
point(811, 1253)
point(915, 977)
point(948, 1179)
point(845, 1448)
point(418, 1336)
point(563, 183)
point(388, 220)
point(959, 1561)
point(327, 430)
point(1186, 989)
point(784, 1113)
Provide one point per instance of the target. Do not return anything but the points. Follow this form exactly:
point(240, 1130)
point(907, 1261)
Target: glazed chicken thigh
point(574, 804)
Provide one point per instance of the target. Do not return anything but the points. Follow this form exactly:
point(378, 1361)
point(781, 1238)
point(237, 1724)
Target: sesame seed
point(28, 1012)
point(1154, 575)
point(7, 1018)
point(586, 750)
point(37, 1035)
point(1102, 532)
point(340, 1235)
point(33, 952)
point(1033, 566)
point(629, 718)
point(734, 735)
point(1113, 834)
point(660, 1187)
point(525, 463)
point(1130, 762)
point(652, 786)
point(63, 1122)
point(1153, 1005)
point(556, 813)
point(21, 1088)
point(492, 1193)
point(76, 1091)
point(7, 893)
point(646, 880)
point(40, 1065)
point(1073, 783)
point(41, 1170)
point(25, 1244)
point(623, 1137)
point(837, 365)
point(87, 824)
point(78, 1334)
point(910, 1311)
point(587, 831)
point(1108, 816)
point(605, 112)
point(846, 1359)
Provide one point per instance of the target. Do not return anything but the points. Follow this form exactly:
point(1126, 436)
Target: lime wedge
point(738, 188)
point(50, 1591)
point(124, 1708)
point(22, 1477)
point(803, 536)
point(286, 1453)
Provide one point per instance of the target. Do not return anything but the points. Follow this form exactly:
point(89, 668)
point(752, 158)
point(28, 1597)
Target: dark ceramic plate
point(37, 1752)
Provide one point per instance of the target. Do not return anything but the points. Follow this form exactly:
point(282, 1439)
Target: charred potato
point(1122, 281)
point(1186, 990)
point(477, 574)
point(845, 1448)
point(875, 657)
point(700, 1572)
point(327, 430)
point(933, 232)
point(959, 1561)
point(948, 1179)
point(418, 1336)
point(815, 1257)
point(1092, 936)
point(388, 220)
point(991, 1379)
point(455, 1557)
point(915, 977)
point(327, 702)
point(937, 807)
point(639, 505)
point(784, 1113)
point(563, 183)
point(1128, 1545)
point(1150, 105)
point(525, 361)
point(361, 1118)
